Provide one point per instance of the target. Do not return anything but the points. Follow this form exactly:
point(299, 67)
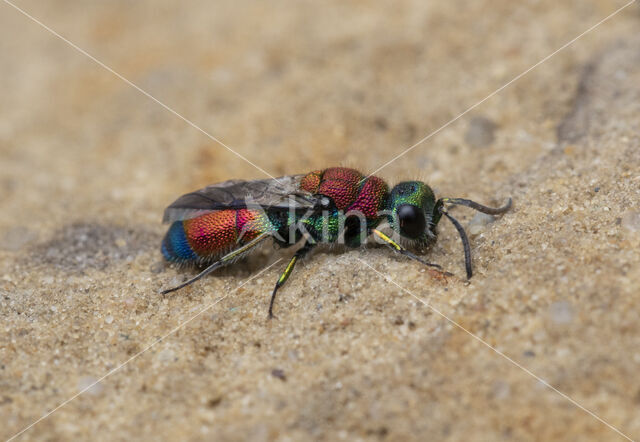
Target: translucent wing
point(281, 193)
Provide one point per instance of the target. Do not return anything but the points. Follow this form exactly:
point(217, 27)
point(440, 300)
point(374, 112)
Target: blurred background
point(88, 163)
point(292, 87)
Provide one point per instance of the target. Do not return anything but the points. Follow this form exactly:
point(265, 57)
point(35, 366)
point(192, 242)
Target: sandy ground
point(88, 163)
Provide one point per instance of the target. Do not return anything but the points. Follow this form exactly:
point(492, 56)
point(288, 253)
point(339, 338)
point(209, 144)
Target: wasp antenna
point(465, 241)
point(478, 207)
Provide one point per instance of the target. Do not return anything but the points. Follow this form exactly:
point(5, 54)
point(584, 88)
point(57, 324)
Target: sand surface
point(88, 163)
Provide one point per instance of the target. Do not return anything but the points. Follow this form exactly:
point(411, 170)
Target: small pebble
point(631, 220)
point(479, 222)
point(561, 312)
point(501, 390)
point(166, 355)
point(214, 401)
point(481, 132)
point(279, 373)
point(158, 267)
point(87, 382)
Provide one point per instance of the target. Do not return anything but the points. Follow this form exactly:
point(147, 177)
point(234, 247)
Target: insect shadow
point(90, 245)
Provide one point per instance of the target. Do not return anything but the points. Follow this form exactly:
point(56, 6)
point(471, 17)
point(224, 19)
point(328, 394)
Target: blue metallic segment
point(175, 246)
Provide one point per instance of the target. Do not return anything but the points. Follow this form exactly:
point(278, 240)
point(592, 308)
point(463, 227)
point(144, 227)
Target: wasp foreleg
point(440, 274)
point(401, 250)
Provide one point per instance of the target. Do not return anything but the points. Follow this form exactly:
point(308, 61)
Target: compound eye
point(412, 222)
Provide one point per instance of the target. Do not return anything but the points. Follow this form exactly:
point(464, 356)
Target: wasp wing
point(280, 193)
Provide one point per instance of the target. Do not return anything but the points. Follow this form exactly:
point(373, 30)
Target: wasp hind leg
point(225, 260)
point(301, 252)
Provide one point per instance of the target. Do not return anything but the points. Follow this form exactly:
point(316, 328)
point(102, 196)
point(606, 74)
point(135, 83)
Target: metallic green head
point(412, 212)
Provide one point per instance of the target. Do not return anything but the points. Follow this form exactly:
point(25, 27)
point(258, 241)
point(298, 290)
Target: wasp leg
point(226, 259)
point(287, 272)
point(401, 250)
